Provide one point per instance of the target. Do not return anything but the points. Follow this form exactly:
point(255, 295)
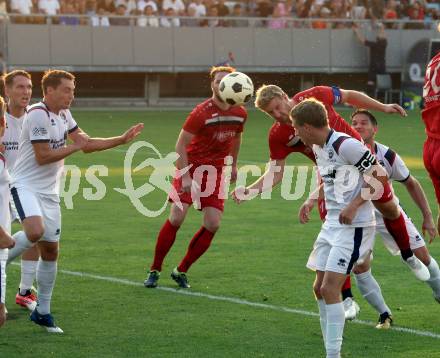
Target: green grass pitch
point(257, 258)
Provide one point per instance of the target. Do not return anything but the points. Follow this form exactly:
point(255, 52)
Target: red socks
point(197, 247)
point(165, 239)
point(397, 229)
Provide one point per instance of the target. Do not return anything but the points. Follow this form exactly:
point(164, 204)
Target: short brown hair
point(309, 111)
point(217, 69)
point(2, 107)
point(267, 93)
point(367, 113)
point(8, 78)
point(52, 78)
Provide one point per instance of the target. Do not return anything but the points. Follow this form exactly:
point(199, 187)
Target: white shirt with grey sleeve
point(41, 126)
point(341, 162)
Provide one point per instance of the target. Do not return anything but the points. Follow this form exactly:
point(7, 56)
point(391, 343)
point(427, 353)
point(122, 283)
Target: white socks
point(322, 317)
point(335, 329)
point(28, 271)
point(434, 281)
point(21, 245)
point(371, 291)
point(46, 274)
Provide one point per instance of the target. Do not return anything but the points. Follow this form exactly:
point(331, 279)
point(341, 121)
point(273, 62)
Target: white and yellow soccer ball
point(236, 89)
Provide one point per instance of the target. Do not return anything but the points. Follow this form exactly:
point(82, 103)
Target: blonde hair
point(267, 93)
point(2, 107)
point(309, 111)
point(8, 78)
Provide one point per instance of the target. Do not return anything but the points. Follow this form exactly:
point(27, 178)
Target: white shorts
point(338, 248)
point(415, 238)
point(5, 216)
point(47, 206)
point(3, 279)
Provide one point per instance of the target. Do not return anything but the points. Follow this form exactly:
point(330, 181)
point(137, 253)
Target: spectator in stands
point(277, 20)
point(377, 48)
point(69, 20)
point(324, 13)
point(148, 19)
point(49, 7)
point(376, 9)
point(199, 8)
point(120, 19)
point(358, 10)
point(3, 9)
point(101, 18)
point(191, 19)
point(416, 12)
point(130, 5)
point(212, 12)
point(142, 4)
point(23, 7)
point(177, 5)
point(222, 9)
point(264, 8)
point(170, 20)
point(91, 7)
point(237, 11)
point(338, 11)
point(108, 6)
point(391, 14)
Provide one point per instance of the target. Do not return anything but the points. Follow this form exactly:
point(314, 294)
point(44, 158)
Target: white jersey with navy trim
point(11, 138)
point(396, 170)
point(392, 162)
point(341, 162)
point(41, 126)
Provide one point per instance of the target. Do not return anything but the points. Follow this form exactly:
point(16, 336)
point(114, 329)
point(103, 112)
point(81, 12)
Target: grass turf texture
point(258, 255)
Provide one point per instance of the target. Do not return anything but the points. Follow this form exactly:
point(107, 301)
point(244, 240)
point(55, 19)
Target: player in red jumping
point(431, 117)
point(274, 101)
point(210, 134)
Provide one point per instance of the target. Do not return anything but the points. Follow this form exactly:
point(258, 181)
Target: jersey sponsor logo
point(39, 132)
point(224, 136)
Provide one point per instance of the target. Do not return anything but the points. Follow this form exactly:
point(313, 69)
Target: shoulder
point(342, 138)
point(38, 110)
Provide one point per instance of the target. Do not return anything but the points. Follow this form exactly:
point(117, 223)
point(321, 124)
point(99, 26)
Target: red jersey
point(283, 141)
point(431, 97)
point(329, 96)
point(214, 132)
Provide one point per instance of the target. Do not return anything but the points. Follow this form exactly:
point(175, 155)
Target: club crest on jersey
point(52, 121)
point(330, 154)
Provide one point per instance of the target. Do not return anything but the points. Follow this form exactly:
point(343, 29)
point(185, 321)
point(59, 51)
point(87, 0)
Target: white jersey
point(41, 126)
point(394, 166)
point(11, 138)
point(341, 162)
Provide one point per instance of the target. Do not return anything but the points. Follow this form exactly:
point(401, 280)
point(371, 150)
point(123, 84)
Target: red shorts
point(209, 192)
point(431, 158)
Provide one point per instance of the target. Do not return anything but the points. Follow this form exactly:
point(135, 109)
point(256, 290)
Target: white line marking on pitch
point(237, 301)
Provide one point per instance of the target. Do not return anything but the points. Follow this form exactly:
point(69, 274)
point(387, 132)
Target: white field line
point(236, 301)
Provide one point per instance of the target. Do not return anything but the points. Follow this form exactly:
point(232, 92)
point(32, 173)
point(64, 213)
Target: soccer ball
point(236, 89)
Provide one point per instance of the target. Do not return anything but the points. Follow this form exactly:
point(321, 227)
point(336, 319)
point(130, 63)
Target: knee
point(176, 220)
point(317, 290)
point(389, 209)
point(35, 233)
point(212, 224)
point(49, 254)
point(327, 292)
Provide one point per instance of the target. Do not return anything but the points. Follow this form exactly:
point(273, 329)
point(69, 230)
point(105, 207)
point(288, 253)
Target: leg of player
point(29, 261)
point(2, 289)
point(198, 245)
point(434, 281)
point(33, 231)
point(165, 240)
point(351, 307)
point(372, 293)
point(46, 275)
point(321, 303)
point(395, 224)
point(331, 292)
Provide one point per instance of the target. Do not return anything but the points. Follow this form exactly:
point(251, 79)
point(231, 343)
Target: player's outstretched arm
point(418, 195)
point(271, 177)
point(44, 154)
point(361, 100)
point(98, 144)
